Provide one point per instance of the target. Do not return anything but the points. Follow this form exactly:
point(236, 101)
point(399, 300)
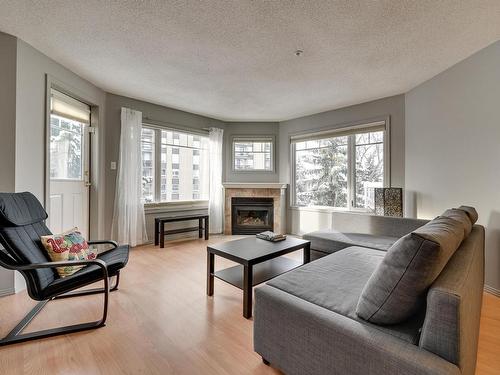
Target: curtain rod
point(175, 126)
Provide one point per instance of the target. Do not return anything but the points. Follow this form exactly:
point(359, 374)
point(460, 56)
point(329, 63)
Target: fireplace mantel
point(254, 185)
point(274, 190)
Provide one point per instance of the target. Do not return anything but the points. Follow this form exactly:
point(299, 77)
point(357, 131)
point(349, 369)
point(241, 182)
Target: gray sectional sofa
point(325, 317)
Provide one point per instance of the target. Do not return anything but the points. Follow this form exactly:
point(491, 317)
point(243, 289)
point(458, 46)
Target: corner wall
point(258, 129)
point(453, 146)
point(8, 61)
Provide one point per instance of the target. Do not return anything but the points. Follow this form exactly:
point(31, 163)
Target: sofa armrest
point(451, 326)
point(299, 337)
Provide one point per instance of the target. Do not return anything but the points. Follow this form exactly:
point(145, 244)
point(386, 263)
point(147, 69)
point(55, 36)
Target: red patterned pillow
point(69, 245)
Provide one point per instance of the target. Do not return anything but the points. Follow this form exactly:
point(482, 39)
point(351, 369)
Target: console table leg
point(157, 233)
point(307, 253)
point(200, 228)
point(210, 273)
point(247, 291)
point(206, 228)
point(162, 234)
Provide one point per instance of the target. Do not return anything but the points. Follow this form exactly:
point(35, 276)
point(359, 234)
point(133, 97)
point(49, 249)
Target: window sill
point(327, 209)
point(175, 206)
point(252, 171)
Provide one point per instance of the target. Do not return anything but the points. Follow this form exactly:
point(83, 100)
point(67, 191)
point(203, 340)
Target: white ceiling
point(234, 60)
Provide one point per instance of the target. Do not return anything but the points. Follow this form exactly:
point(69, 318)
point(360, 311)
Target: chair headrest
point(18, 209)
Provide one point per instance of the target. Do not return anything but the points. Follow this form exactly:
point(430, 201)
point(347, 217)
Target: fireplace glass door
point(252, 215)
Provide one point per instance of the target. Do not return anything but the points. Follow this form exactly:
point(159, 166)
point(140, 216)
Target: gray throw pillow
point(397, 288)
point(471, 212)
point(462, 217)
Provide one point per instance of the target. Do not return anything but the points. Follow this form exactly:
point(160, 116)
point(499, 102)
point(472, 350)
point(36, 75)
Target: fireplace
point(251, 215)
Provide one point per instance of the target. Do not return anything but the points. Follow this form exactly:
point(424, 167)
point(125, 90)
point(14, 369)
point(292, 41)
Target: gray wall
point(252, 129)
point(453, 145)
point(8, 133)
point(8, 111)
point(301, 221)
point(24, 72)
point(33, 70)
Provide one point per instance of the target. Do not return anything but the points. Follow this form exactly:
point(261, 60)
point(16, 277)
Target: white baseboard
point(6, 292)
point(492, 290)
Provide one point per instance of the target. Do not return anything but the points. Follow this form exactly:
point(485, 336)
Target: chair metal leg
point(115, 287)
point(87, 292)
point(16, 336)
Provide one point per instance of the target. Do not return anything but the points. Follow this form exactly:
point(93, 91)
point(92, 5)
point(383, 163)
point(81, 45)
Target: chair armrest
point(88, 262)
point(104, 242)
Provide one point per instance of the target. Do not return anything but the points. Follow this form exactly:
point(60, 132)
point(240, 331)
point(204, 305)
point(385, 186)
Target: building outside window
point(183, 158)
point(339, 171)
point(252, 154)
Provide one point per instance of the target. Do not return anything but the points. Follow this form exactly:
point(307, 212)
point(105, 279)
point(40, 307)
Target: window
point(339, 170)
point(183, 159)
point(253, 154)
point(148, 165)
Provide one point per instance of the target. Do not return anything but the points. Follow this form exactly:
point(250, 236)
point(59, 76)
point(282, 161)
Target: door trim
point(96, 213)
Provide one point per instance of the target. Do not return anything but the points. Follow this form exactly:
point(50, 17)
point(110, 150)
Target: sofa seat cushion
point(336, 281)
point(331, 241)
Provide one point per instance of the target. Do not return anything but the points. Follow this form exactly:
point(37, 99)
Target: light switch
point(113, 165)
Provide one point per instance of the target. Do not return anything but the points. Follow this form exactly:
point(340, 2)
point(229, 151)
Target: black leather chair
point(22, 222)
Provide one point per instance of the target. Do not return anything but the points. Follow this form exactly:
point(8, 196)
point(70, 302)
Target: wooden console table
point(160, 231)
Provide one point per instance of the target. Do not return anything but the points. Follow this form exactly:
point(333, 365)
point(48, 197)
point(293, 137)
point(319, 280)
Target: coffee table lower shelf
point(262, 272)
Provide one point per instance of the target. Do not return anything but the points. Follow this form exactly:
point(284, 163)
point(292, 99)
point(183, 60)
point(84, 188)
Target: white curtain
point(215, 206)
point(129, 224)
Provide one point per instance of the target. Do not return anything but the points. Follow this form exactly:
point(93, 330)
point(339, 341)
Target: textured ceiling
point(234, 60)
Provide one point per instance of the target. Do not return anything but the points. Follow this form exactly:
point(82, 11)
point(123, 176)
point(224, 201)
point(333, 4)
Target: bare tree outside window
point(321, 172)
point(66, 143)
point(330, 171)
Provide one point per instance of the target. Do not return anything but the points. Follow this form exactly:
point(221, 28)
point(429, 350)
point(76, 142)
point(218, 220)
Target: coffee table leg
point(206, 228)
point(162, 234)
point(210, 273)
point(157, 234)
point(307, 253)
point(247, 291)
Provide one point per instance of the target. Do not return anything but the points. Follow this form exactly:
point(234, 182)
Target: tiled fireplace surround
point(277, 191)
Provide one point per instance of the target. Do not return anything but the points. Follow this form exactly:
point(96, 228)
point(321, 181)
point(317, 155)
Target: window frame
point(349, 130)
point(157, 167)
point(252, 138)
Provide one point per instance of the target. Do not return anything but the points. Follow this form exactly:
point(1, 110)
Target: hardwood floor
point(161, 322)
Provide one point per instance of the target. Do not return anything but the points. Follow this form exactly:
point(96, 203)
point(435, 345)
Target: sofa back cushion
point(397, 288)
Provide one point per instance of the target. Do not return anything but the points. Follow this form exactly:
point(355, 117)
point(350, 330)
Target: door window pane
point(66, 145)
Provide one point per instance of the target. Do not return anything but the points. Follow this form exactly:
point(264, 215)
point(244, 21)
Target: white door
point(69, 164)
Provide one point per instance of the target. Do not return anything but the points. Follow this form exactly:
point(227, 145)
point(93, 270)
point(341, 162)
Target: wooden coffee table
point(259, 261)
